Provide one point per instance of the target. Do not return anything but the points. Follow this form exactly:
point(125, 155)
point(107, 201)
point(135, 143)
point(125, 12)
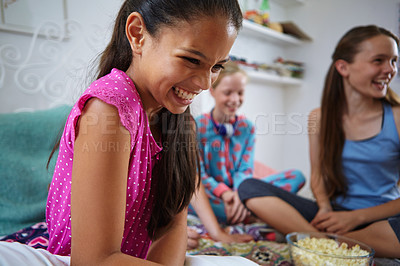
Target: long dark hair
point(333, 102)
point(179, 165)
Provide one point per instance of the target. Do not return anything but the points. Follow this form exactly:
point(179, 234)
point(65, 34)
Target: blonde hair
point(230, 68)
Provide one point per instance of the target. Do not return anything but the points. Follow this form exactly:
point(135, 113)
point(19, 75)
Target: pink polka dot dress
point(117, 89)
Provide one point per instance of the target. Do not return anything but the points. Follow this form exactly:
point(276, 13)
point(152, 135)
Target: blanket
point(261, 252)
point(268, 247)
point(26, 140)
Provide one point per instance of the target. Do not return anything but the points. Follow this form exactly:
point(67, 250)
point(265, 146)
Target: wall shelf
point(260, 76)
point(256, 30)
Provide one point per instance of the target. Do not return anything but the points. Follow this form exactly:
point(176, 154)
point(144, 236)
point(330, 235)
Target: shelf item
point(271, 78)
point(289, 2)
point(266, 33)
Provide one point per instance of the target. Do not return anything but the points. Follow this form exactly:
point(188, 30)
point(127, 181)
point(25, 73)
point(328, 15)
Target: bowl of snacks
point(314, 248)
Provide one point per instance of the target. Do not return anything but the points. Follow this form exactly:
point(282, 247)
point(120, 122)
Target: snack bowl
point(315, 248)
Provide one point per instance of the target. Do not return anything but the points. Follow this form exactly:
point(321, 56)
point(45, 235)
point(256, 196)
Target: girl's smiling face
point(172, 68)
point(373, 67)
point(228, 96)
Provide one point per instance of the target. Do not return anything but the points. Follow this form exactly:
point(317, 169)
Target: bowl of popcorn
point(314, 248)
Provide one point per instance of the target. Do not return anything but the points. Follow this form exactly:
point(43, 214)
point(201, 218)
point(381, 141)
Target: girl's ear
point(134, 30)
point(342, 67)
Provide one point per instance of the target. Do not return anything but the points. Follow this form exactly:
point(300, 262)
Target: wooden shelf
point(261, 76)
point(256, 30)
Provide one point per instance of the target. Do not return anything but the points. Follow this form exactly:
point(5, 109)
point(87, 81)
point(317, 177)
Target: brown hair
point(333, 103)
point(179, 164)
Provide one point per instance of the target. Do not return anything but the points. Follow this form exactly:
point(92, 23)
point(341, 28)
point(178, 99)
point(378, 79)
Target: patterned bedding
point(263, 251)
point(268, 247)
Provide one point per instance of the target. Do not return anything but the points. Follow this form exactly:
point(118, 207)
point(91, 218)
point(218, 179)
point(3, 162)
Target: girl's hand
point(337, 222)
point(318, 218)
point(193, 238)
point(234, 209)
point(220, 236)
point(225, 237)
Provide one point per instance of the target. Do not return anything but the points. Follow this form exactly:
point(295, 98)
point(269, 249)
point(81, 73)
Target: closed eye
point(192, 60)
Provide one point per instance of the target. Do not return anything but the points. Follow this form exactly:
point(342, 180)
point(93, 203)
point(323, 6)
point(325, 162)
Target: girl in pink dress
point(128, 160)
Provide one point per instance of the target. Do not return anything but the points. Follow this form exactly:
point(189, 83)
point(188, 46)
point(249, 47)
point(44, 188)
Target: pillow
point(26, 141)
point(261, 170)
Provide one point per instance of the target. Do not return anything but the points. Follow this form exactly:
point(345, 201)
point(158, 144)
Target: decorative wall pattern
point(52, 65)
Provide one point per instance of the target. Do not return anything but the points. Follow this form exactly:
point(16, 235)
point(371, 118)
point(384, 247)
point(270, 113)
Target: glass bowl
point(314, 248)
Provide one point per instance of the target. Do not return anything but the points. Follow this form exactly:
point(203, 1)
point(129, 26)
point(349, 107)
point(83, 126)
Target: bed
point(268, 247)
point(26, 140)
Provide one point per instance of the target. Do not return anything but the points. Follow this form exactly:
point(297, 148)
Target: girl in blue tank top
point(354, 151)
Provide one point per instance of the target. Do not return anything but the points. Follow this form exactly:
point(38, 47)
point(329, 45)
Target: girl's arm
point(210, 183)
point(390, 208)
point(340, 222)
point(379, 212)
point(98, 193)
point(170, 247)
point(203, 209)
point(234, 208)
point(316, 181)
point(246, 160)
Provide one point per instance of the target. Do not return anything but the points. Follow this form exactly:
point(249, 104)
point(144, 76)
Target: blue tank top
point(372, 166)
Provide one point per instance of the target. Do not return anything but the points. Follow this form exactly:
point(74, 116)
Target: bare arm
point(390, 208)
point(339, 221)
point(396, 114)
point(203, 209)
point(378, 212)
point(170, 247)
point(98, 195)
point(317, 184)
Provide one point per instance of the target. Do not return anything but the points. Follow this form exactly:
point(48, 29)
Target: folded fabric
point(15, 253)
point(26, 140)
point(19, 254)
point(205, 260)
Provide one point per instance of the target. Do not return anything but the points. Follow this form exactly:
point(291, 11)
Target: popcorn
point(327, 252)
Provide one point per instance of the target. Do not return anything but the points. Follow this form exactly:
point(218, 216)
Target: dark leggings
point(253, 188)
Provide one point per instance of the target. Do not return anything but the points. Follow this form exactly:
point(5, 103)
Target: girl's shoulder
point(244, 122)
point(315, 113)
point(203, 119)
point(313, 123)
point(115, 84)
point(396, 115)
point(314, 116)
point(396, 111)
point(117, 90)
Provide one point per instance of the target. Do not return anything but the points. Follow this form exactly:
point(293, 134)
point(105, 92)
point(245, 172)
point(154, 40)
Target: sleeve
point(246, 158)
point(128, 113)
point(209, 182)
point(211, 185)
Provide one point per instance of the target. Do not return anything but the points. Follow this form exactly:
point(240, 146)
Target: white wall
point(38, 72)
point(280, 143)
point(280, 114)
point(264, 102)
point(326, 21)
